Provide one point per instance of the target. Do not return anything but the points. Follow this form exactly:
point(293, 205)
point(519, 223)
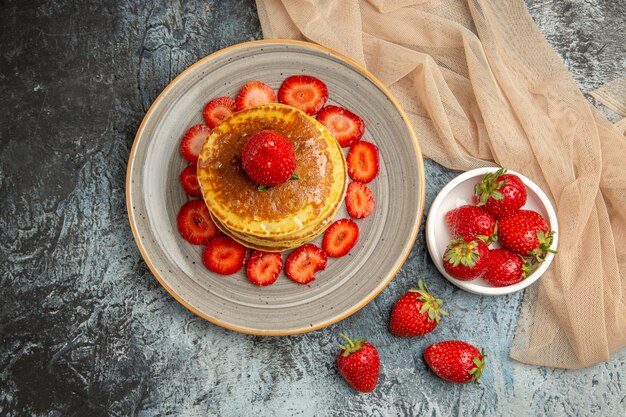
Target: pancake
point(286, 215)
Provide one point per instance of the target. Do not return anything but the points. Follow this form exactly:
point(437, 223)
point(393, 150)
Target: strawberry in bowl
point(523, 222)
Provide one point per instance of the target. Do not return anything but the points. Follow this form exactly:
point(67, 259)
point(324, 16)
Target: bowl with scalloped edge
point(459, 192)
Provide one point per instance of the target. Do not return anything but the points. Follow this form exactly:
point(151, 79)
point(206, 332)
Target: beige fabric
point(482, 86)
point(613, 95)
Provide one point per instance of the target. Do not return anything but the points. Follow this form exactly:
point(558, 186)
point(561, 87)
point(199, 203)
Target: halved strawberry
point(254, 93)
point(192, 142)
point(345, 126)
point(194, 223)
point(304, 262)
point(359, 200)
point(340, 238)
point(362, 161)
point(224, 256)
point(303, 92)
point(217, 110)
point(189, 181)
point(263, 267)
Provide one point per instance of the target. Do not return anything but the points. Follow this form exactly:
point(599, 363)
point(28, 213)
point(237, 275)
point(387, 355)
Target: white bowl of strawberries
point(491, 231)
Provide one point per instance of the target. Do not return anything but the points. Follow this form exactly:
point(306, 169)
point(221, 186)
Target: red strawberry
point(470, 222)
point(466, 260)
point(217, 110)
point(195, 224)
point(263, 267)
point(359, 200)
point(303, 262)
point(340, 238)
point(224, 256)
point(506, 268)
point(254, 93)
point(192, 142)
point(303, 92)
point(525, 232)
point(416, 313)
point(455, 361)
point(268, 158)
point(500, 193)
point(345, 126)
point(362, 161)
point(189, 180)
point(359, 364)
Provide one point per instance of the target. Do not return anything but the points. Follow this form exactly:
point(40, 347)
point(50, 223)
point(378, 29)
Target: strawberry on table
point(189, 180)
point(254, 93)
point(303, 92)
point(192, 142)
point(304, 262)
point(359, 200)
point(340, 238)
point(455, 361)
point(224, 256)
point(500, 193)
point(471, 222)
point(217, 110)
point(263, 267)
point(359, 363)
point(362, 161)
point(268, 158)
point(506, 268)
point(527, 233)
point(194, 223)
point(345, 126)
point(416, 313)
point(466, 260)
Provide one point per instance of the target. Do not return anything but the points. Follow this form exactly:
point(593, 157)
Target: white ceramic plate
point(154, 194)
point(459, 192)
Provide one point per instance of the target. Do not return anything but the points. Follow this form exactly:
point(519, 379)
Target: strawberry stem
point(462, 252)
point(431, 305)
point(489, 187)
point(352, 345)
point(545, 241)
point(477, 372)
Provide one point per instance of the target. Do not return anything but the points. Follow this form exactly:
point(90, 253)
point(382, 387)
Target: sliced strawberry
point(192, 142)
point(303, 92)
point(189, 181)
point(304, 262)
point(340, 238)
point(263, 267)
point(362, 161)
point(224, 256)
point(195, 224)
point(254, 93)
point(217, 110)
point(345, 126)
point(359, 200)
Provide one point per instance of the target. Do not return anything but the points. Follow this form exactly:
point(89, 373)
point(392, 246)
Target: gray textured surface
point(85, 329)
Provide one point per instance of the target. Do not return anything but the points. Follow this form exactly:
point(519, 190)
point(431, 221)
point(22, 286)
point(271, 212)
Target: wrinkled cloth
point(482, 87)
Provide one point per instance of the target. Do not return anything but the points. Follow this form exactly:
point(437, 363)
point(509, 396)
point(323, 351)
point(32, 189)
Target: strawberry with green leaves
point(507, 268)
point(526, 232)
point(500, 194)
point(359, 364)
point(416, 313)
point(466, 260)
point(455, 361)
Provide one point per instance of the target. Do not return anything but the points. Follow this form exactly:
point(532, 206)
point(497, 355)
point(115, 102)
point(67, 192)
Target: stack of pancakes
point(286, 215)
